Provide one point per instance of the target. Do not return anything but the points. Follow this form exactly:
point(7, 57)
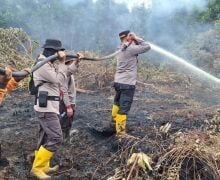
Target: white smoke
point(135, 3)
point(168, 7)
point(165, 6)
point(163, 22)
point(72, 2)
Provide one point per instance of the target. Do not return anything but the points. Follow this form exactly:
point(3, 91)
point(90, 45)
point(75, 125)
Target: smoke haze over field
point(95, 24)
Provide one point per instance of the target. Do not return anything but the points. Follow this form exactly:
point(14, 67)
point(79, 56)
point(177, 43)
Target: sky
point(165, 4)
point(133, 3)
point(168, 6)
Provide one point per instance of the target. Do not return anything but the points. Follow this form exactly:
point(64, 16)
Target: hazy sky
point(165, 5)
point(133, 3)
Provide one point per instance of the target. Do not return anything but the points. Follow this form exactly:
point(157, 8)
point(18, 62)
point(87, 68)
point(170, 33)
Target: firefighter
point(125, 77)
point(9, 83)
point(48, 80)
point(68, 97)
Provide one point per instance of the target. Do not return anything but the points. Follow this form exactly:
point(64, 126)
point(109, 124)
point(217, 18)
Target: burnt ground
point(91, 152)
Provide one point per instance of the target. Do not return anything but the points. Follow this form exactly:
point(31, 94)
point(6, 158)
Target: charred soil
point(92, 151)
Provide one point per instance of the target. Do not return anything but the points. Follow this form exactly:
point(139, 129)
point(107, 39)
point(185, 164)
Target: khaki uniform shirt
point(54, 82)
point(126, 72)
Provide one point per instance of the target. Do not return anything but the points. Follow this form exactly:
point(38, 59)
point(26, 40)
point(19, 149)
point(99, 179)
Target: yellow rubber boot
point(120, 124)
point(115, 110)
point(47, 168)
point(35, 153)
point(41, 160)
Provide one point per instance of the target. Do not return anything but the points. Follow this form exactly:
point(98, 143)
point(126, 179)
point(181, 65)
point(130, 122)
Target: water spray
point(153, 47)
point(184, 62)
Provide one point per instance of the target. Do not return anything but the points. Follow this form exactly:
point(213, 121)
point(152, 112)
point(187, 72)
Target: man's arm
point(73, 91)
point(4, 81)
point(2, 94)
point(74, 66)
point(140, 47)
point(66, 99)
point(64, 91)
point(12, 84)
point(62, 69)
point(47, 71)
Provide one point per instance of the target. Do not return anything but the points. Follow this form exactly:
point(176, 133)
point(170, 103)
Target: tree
point(211, 13)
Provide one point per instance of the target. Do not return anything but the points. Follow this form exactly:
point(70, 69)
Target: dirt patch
point(91, 154)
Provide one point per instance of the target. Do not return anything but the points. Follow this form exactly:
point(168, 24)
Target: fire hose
point(41, 63)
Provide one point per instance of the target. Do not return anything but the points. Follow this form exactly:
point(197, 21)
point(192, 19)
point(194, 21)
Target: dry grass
point(188, 159)
point(194, 155)
point(16, 49)
point(95, 75)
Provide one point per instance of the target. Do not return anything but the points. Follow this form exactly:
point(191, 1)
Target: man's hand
point(8, 73)
point(69, 111)
point(80, 57)
point(61, 56)
point(5, 78)
point(28, 70)
point(132, 36)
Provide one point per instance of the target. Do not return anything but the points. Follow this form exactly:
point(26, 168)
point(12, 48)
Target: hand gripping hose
point(41, 63)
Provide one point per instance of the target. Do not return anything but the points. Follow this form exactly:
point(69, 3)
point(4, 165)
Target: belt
point(53, 98)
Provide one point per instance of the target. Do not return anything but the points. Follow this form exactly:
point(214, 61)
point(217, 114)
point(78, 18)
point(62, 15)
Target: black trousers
point(124, 97)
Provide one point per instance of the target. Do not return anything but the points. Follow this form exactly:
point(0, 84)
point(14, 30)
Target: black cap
point(53, 44)
point(124, 33)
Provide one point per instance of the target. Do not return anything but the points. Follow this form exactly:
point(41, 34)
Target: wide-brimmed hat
point(53, 44)
point(124, 33)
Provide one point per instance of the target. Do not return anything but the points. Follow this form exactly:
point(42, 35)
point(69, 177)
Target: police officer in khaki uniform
point(49, 80)
point(125, 77)
point(68, 96)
